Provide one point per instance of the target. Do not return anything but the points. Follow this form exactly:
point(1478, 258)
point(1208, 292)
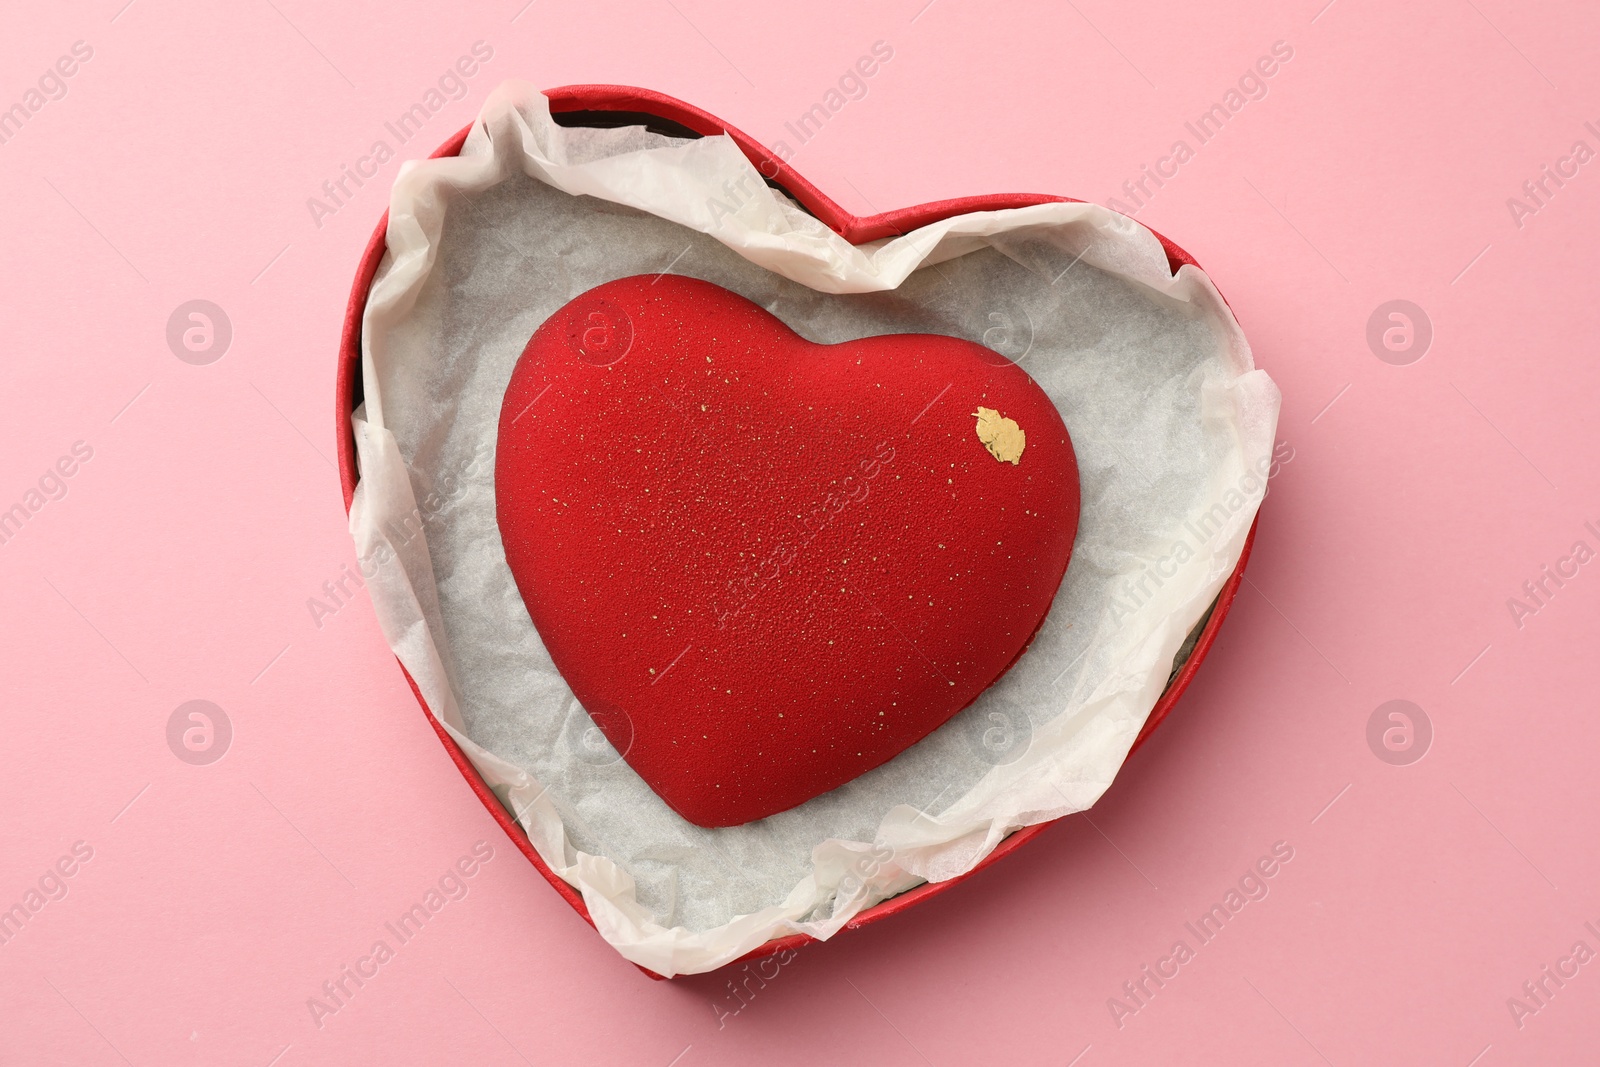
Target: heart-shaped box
point(614, 106)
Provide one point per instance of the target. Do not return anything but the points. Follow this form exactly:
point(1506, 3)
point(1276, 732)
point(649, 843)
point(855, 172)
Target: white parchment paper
point(1172, 425)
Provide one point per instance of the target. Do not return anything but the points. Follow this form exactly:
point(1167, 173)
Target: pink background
point(1420, 498)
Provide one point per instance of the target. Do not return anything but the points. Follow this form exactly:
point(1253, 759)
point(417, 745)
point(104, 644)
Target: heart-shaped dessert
point(766, 566)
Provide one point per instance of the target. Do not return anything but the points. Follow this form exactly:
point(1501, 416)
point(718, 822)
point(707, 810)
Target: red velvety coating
point(766, 566)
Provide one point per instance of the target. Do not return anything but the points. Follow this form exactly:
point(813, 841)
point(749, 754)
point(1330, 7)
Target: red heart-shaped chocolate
point(766, 566)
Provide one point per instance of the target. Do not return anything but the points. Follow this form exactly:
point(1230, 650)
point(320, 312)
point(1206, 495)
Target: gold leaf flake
point(1001, 436)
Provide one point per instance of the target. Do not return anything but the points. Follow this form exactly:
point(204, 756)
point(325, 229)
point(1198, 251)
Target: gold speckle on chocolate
point(1001, 436)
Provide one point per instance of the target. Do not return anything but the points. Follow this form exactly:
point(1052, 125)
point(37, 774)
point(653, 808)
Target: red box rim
point(857, 230)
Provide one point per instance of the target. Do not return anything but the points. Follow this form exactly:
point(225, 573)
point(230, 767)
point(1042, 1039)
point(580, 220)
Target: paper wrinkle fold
point(1172, 424)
